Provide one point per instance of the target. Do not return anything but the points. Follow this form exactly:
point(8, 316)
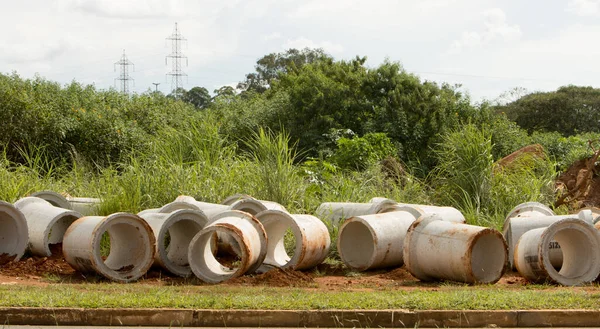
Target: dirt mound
point(579, 185)
point(39, 266)
point(276, 277)
point(534, 150)
point(399, 274)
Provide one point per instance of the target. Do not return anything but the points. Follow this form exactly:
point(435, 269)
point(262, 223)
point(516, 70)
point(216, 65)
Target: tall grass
point(468, 179)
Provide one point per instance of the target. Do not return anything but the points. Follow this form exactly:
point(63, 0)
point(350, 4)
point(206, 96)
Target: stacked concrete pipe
point(254, 206)
point(529, 209)
point(181, 226)
point(311, 237)
point(132, 246)
point(250, 236)
point(448, 214)
point(435, 249)
point(46, 223)
point(335, 212)
point(580, 244)
point(209, 209)
point(234, 198)
point(515, 227)
point(13, 233)
point(84, 206)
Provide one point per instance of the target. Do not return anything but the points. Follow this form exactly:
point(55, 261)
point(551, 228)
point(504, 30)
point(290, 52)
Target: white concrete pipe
point(180, 226)
point(311, 236)
point(46, 223)
point(84, 206)
point(234, 198)
point(253, 206)
point(580, 244)
point(13, 233)
point(249, 234)
point(335, 212)
point(449, 214)
point(435, 249)
point(132, 246)
point(209, 209)
point(530, 209)
point(375, 241)
point(515, 227)
point(595, 213)
point(169, 208)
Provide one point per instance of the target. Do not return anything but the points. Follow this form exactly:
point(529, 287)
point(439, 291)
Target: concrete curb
point(297, 318)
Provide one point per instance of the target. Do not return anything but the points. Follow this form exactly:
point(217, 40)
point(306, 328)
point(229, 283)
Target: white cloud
point(25, 53)
point(272, 36)
point(497, 29)
point(584, 7)
point(128, 9)
point(302, 42)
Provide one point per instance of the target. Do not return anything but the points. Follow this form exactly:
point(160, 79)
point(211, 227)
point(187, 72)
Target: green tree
point(569, 110)
point(197, 96)
point(270, 66)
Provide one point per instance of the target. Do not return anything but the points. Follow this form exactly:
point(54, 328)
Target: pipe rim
point(343, 228)
point(486, 232)
point(177, 205)
point(587, 231)
point(234, 198)
point(21, 228)
point(542, 208)
point(274, 217)
point(177, 216)
point(54, 198)
point(146, 234)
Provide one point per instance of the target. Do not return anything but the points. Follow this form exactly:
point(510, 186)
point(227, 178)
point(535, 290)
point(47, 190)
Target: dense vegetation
point(303, 129)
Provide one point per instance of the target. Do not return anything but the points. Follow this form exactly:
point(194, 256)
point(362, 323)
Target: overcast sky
point(488, 46)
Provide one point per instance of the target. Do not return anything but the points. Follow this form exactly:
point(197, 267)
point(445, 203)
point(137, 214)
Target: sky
point(486, 46)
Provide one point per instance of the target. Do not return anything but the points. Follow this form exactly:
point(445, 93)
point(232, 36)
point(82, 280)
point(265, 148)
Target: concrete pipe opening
point(119, 247)
point(488, 256)
point(173, 232)
point(238, 226)
point(356, 244)
point(580, 245)
point(13, 233)
point(253, 206)
point(294, 241)
point(46, 224)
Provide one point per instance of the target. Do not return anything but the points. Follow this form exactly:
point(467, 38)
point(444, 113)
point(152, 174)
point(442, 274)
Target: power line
point(176, 57)
point(124, 77)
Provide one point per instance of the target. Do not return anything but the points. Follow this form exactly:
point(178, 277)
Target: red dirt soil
point(573, 176)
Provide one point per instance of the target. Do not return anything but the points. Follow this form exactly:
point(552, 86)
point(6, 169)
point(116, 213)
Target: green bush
point(362, 152)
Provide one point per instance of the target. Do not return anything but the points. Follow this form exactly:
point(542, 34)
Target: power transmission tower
point(176, 57)
point(124, 77)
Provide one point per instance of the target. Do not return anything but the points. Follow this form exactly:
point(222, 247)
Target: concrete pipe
point(13, 233)
point(595, 213)
point(375, 241)
point(84, 206)
point(253, 206)
point(435, 249)
point(169, 208)
point(515, 227)
point(132, 246)
point(234, 198)
point(209, 209)
point(57, 200)
point(449, 214)
point(335, 212)
point(530, 209)
point(249, 234)
point(311, 237)
point(178, 228)
point(46, 223)
point(580, 244)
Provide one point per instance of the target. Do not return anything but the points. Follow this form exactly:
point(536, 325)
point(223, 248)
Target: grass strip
point(228, 297)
